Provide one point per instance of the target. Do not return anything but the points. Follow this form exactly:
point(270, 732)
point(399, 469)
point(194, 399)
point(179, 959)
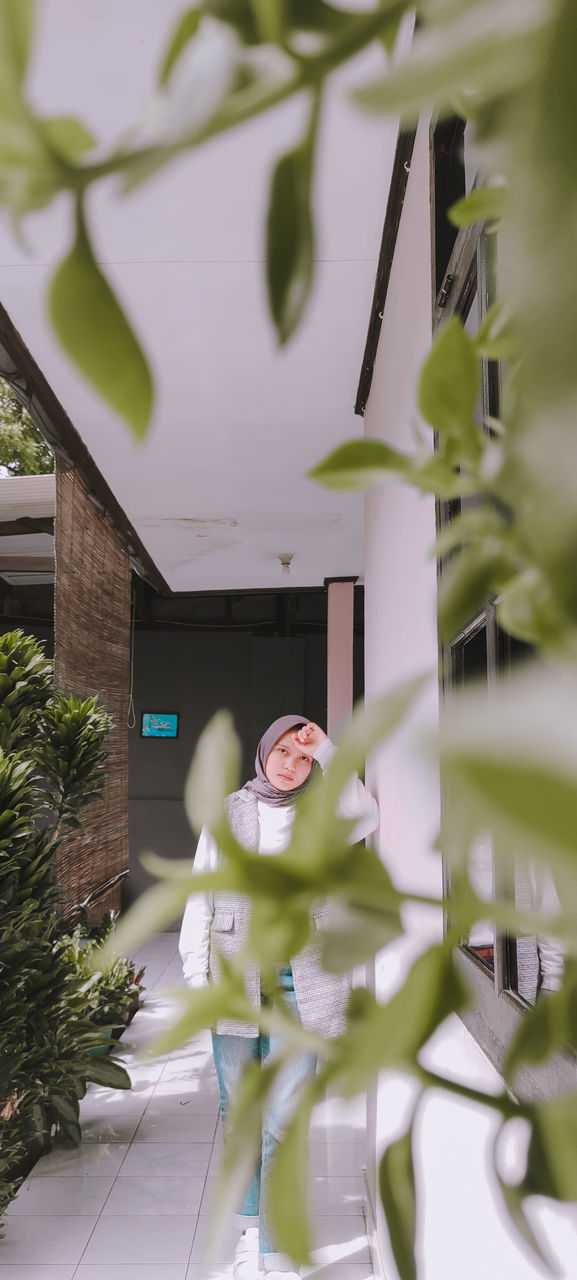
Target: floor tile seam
point(368, 1238)
point(111, 1189)
point(204, 1189)
point(161, 975)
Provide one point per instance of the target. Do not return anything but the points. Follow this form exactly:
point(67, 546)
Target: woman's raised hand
point(309, 738)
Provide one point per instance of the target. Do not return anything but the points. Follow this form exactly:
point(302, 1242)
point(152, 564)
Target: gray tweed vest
point(321, 997)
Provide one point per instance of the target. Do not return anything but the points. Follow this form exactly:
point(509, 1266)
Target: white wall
point(461, 1232)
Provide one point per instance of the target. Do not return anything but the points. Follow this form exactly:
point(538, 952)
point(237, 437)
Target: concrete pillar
point(340, 622)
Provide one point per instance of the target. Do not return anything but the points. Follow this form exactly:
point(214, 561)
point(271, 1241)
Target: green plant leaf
point(474, 525)
point(390, 1035)
point(361, 464)
point(104, 1071)
point(398, 1197)
point(203, 1008)
point(547, 1028)
point(319, 836)
point(552, 1157)
point(511, 763)
point(360, 935)
point(288, 1183)
point(242, 1147)
point(153, 911)
point(514, 1196)
point(185, 30)
point(483, 49)
point(497, 337)
point(270, 19)
point(97, 336)
point(449, 385)
point(483, 204)
point(527, 608)
point(213, 774)
point(17, 27)
point(290, 236)
point(68, 136)
point(478, 570)
point(537, 1035)
point(556, 104)
point(65, 1108)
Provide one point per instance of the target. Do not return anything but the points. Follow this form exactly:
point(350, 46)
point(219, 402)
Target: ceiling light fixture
point(286, 561)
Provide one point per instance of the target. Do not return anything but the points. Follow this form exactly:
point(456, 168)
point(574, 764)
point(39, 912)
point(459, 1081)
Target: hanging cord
point(131, 716)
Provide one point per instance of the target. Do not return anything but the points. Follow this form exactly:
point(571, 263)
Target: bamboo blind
point(92, 656)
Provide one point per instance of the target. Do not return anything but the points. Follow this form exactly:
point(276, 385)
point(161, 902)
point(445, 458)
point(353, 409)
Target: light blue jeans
point(231, 1054)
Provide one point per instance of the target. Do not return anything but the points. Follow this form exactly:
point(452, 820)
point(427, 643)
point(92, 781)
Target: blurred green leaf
point(203, 1008)
point(472, 525)
point(96, 334)
point(398, 1196)
point(552, 1158)
point(484, 48)
point(497, 337)
point(549, 1027)
point(287, 1192)
point(514, 1196)
point(483, 204)
point(479, 570)
point(185, 30)
point(239, 14)
point(449, 385)
point(511, 762)
point(527, 608)
point(275, 932)
point(270, 17)
point(319, 835)
point(243, 1127)
point(68, 136)
point(214, 773)
point(358, 936)
point(290, 235)
point(391, 1035)
point(17, 27)
point(361, 464)
point(439, 474)
point(153, 911)
point(555, 106)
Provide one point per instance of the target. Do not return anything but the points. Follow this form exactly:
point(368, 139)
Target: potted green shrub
point(52, 754)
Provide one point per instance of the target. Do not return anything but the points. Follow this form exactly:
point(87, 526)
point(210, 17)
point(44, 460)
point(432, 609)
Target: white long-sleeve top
point(275, 828)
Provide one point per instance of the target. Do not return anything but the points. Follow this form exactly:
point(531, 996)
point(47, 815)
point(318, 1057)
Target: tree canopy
point(23, 449)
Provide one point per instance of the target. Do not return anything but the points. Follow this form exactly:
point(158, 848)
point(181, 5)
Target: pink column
point(341, 600)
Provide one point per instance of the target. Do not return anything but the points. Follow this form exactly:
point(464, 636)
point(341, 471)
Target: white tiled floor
point(132, 1202)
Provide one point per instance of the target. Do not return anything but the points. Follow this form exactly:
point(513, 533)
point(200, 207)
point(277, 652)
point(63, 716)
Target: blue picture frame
point(159, 724)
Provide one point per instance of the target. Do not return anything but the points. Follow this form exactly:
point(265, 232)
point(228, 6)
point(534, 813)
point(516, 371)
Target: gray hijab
point(260, 786)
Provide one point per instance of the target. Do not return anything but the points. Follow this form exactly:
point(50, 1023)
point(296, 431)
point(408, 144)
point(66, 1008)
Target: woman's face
point(287, 766)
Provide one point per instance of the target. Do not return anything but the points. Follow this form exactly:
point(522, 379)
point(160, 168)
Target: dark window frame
point(461, 269)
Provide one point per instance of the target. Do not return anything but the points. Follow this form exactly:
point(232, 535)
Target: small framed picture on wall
point(159, 724)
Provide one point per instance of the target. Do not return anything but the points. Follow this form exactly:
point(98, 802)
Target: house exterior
point(215, 501)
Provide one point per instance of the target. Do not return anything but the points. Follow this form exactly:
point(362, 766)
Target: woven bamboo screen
point(92, 656)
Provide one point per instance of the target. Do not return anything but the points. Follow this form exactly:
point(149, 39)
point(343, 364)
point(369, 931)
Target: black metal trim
point(44, 407)
point(397, 191)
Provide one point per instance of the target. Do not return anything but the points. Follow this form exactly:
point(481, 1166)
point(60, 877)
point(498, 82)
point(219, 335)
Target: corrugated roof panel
point(27, 496)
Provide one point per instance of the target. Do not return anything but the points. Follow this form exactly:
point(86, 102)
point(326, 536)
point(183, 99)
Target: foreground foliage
point(53, 1009)
point(508, 66)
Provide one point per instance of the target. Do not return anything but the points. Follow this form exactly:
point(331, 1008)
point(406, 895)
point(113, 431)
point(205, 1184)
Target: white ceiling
point(217, 492)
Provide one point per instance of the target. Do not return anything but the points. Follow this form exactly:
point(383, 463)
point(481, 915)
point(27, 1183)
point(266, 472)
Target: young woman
point(261, 816)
